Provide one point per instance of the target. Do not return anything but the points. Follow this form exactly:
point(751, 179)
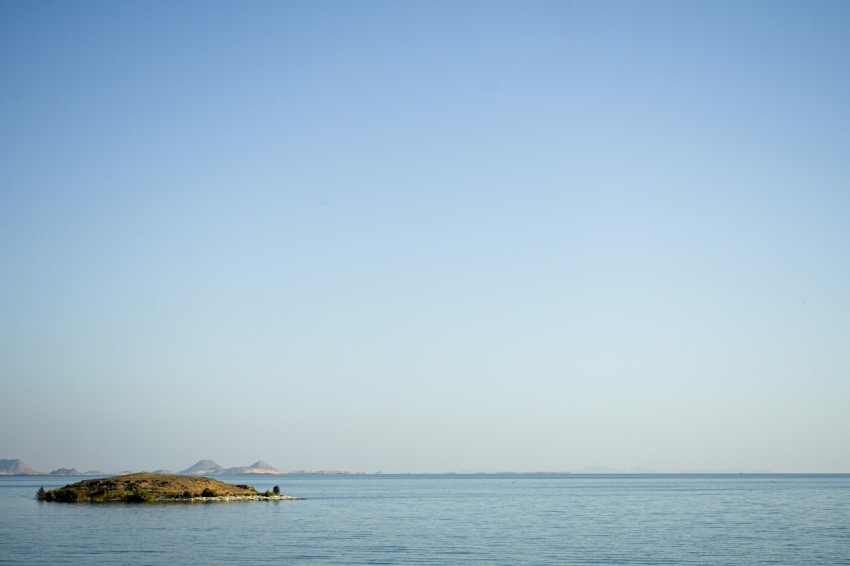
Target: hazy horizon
point(417, 236)
point(229, 465)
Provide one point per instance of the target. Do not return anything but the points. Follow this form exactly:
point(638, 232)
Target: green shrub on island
point(66, 495)
point(276, 490)
point(208, 493)
point(139, 496)
point(98, 496)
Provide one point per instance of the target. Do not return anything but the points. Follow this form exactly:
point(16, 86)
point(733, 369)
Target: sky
point(425, 236)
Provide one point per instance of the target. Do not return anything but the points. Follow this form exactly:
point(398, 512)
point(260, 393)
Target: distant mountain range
point(202, 468)
point(209, 468)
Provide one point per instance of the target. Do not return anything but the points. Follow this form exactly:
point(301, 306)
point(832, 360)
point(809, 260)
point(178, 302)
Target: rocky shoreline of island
point(233, 498)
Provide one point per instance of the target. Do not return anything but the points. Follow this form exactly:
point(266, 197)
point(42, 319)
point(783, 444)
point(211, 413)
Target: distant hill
point(202, 468)
point(66, 472)
point(208, 467)
point(15, 468)
point(259, 467)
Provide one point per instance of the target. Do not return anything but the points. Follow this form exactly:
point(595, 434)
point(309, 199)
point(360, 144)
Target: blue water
point(573, 519)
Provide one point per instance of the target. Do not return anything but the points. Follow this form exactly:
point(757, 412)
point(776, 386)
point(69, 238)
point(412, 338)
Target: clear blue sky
point(425, 236)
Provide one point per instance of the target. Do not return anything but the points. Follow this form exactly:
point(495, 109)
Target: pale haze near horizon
point(425, 237)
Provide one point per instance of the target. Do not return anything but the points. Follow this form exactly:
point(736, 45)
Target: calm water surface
point(574, 519)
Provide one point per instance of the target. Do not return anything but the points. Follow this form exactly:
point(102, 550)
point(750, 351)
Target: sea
point(449, 519)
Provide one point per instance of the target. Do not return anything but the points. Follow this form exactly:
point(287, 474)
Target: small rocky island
point(146, 487)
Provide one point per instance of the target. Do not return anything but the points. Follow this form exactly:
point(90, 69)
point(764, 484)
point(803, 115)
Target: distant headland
point(146, 487)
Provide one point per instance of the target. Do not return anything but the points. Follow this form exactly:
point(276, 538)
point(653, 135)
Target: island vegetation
point(147, 487)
